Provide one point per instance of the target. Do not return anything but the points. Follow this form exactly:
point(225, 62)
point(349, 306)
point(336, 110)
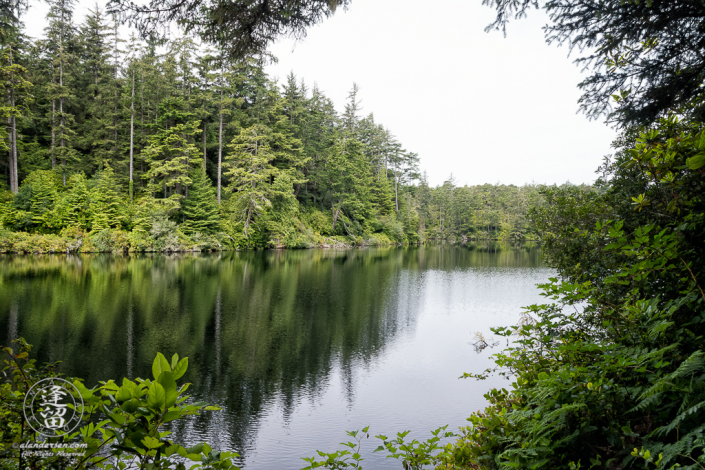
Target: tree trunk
point(53, 129)
point(115, 108)
point(61, 114)
point(132, 132)
point(220, 142)
point(247, 220)
point(336, 213)
point(14, 185)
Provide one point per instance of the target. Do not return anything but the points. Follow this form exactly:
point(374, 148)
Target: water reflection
point(264, 331)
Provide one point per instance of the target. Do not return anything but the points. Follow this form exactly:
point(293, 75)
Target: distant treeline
point(127, 145)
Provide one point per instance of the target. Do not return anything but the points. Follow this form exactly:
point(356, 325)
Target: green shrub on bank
point(615, 365)
point(122, 425)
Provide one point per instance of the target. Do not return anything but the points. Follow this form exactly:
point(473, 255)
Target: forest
point(120, 144)
point(608, 373)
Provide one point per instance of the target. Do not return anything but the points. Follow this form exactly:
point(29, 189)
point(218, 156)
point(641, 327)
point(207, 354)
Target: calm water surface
point(296, 346)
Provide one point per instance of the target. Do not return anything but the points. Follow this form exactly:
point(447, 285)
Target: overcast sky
point(478, 105)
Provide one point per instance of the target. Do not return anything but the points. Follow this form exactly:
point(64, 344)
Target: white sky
point(484, 107)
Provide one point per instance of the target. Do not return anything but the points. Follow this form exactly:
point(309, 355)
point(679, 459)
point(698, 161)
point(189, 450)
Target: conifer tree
point(105, 210)
point(200, 209)
point(43, 189)
point(348, 180)
point(383, 196)
point(71, 209)
point(61, 44)
point(17, 89)
point(224, 84)
point(250, 171)
point(95, 136)
point(171, 151)
point(352, 109)
point(133, 63)
point(204, 97)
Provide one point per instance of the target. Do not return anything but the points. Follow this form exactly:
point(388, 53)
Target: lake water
point(296, 346)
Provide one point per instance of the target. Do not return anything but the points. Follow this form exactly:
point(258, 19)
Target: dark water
point(296, 346)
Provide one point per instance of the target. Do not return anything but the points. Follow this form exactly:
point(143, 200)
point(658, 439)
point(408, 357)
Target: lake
point(296, 346)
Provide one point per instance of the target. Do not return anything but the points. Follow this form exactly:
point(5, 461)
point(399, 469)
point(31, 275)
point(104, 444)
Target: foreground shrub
point(612, 373)
point(123, 424)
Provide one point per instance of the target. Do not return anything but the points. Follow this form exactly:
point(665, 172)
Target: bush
point(122, 425)
point(320, 222)
point(617, 362)
point(110, 240)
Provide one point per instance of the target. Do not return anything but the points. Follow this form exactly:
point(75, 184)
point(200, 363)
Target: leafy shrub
point(413, 455)
point(319, 221)
point(122, 427)
point(110, 240)
point(616, 362)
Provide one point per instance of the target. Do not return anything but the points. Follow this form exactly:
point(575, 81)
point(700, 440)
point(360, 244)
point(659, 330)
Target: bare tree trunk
point(220, 141)
point(61, 111)
point(204, 145)
point(53, 128)
point(14, 183)
point(336, 213)
point(132, 132)
point(115, 108)
point(247, 220)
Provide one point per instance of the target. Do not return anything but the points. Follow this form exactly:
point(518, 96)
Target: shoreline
point(42, 244)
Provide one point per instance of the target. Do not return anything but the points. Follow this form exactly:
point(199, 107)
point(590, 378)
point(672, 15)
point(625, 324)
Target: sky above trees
point(484, 107)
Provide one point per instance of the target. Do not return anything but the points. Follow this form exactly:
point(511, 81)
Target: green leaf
point(123, 394)
point(166, 380)
point(696, 162)
point(156, 396)
point(180, 368)
point(131, 405)
point(151, 443)
point(197, 449)
point(171, 415)
point(118, 418)
point(160, 365)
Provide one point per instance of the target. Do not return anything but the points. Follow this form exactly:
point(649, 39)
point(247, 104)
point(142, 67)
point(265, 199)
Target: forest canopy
point(121, 144)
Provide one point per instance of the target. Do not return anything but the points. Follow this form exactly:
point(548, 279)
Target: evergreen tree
point(17, 89)
point(250, 171)
point(71, 209)
point(96, 90)
point(61, 45)
point(200, 208)
point(105, 201)
point(171, 152)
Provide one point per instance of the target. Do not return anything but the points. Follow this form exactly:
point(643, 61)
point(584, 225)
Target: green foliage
point(112, 136)
point(72, 206)
point(616, 362)
point(105, 202)
point(19, 373)
point(413, 455)
point(200, 208)
point(123, 423)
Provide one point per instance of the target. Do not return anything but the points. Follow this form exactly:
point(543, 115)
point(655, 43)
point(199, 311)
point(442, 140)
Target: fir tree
point(250, 171)
point(61, 43)
point(105, 201)
point(200, 209)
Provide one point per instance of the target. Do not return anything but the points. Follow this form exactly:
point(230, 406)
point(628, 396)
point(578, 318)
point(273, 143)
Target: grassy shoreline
point(118, 241)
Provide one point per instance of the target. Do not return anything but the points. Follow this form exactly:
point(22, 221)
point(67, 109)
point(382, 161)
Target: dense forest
point(608, 373)
point(121, 144)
